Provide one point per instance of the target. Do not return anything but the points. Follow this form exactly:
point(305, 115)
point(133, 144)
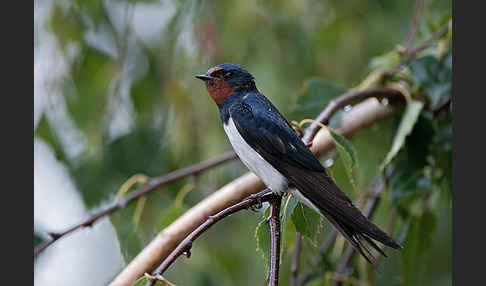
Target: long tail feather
point(318, 189)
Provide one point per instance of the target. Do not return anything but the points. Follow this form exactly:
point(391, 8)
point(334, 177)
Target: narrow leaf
point(141, 281)
point(287, 227)
point(412, 112)
point(288, 206)
point(434, 76)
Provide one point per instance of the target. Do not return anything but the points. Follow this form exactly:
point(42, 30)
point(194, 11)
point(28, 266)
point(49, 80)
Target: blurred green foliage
point(303, 54)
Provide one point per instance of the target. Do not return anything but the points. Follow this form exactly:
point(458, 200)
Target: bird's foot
point(256, 207)
point(258, 197)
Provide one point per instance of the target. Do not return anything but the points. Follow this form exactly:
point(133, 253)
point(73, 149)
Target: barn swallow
point(268, 145)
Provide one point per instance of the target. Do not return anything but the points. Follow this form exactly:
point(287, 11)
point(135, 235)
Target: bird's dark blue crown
point(239, 77)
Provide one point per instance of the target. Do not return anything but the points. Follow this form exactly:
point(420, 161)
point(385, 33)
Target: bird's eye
point(227, 75)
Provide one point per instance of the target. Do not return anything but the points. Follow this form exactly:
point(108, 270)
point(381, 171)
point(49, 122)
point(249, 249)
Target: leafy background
point(115, 96)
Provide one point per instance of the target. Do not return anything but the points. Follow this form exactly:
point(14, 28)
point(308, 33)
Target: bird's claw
point(258, 198)
point(258, 205)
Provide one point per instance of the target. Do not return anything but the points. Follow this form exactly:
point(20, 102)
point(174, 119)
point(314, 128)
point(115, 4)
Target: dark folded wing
point(272, 137)
point(269, 133)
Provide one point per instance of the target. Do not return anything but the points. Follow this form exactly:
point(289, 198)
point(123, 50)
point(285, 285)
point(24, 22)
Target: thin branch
point(152, 185)
point(411, 53)
point(159, 278)
point(435, 36)
point(294, 267)
point(186, 244)
point(274, 224)
point(415, 23)
point(346, 99)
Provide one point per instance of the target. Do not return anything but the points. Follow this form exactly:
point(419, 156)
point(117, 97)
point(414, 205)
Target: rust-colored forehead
point(214, 69)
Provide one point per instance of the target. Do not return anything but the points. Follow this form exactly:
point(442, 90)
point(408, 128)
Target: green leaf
point(170, 215)
point(45, 131)
point(407, 183)
point(347, 152)
point(287, 227)
point(314, 96)
point(141, 281)
point(385, 61)
point(307, 222)
point(262, 235)
point(66, 24)
point(412, 112)
point(434, 76)
point(288, 206)
point(416, 246)
point(92, 77)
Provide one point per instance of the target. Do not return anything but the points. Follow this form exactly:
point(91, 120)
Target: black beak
point(205, 77)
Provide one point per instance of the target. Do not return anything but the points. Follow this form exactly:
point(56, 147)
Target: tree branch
point(411, 53)
point(186, 244)
point(361, 116)
point(274, 224)
point(346, 99)
point(152, 185)
point(415, 22)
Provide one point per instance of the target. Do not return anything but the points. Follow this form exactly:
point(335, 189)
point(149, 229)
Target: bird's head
point(223, 80)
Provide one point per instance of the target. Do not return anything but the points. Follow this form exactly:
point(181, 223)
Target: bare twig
point(159, 278)
point(346, 99)
point(186, 244)
point(415, 23)
point(152, 185)
point(411, 53)
point(274, 224)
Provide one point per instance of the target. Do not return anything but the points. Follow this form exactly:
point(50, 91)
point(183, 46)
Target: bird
point(269, 147)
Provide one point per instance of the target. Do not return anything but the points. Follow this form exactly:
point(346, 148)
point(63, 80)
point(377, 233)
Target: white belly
point(254, 161)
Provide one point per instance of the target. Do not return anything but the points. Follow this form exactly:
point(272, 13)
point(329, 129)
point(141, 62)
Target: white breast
point(254, 161)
